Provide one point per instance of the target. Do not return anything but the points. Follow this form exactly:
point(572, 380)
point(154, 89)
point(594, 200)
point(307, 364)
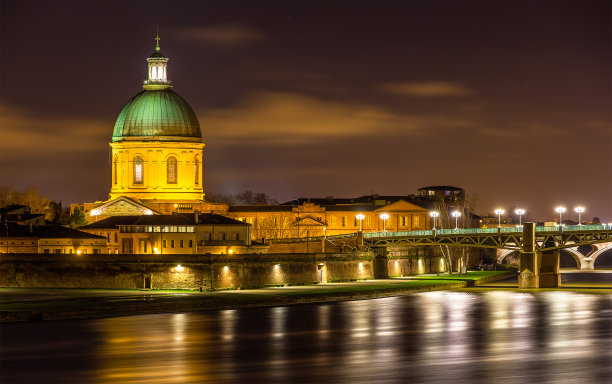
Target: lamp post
point(360, 217)
point(434, 214)
point(499, 212)
point(384, 218)
point(520, 212)
point(456, 215)
point(560, 211)
point(579, 210)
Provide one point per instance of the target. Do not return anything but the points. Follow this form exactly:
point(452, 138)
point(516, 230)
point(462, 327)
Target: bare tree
point(242, 198)
point(30, 198)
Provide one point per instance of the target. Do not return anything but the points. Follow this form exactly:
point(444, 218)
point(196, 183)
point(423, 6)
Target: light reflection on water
point(498, 336)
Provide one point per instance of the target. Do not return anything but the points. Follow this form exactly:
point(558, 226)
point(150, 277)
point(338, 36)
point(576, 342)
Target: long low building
point(54, 239)
point(192, 233)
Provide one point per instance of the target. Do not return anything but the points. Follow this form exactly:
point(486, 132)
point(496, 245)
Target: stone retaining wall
point(208, 272)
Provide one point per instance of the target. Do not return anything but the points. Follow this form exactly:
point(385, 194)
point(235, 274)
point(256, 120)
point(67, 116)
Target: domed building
point(157, 153)
point(157, 143)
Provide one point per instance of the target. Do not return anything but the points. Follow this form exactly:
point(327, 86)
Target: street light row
point(456, 214)
point(434, 214)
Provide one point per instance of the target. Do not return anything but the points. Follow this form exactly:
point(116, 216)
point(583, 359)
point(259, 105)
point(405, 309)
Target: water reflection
point(498, 336)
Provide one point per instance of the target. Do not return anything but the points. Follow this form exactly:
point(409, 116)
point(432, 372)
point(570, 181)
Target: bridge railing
point(470, 231)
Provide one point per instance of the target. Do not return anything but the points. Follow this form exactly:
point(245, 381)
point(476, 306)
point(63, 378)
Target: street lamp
point(456, 215)
point(434, 214)
point(560, 211)
point(579, 210)
point(384, 218)
point(520, 212)
point(360, 217)
point(499, 212)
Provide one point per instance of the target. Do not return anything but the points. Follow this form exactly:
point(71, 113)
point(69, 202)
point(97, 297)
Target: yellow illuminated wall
point(157, 178)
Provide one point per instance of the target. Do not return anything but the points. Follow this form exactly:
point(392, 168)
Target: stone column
point(381, 262)
point(549, 269)
point(359, 240)
point(529, 267)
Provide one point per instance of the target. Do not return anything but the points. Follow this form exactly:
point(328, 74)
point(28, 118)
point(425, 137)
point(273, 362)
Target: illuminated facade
point(157, 143)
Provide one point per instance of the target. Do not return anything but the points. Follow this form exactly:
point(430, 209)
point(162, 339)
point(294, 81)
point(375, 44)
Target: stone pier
point(537, 269)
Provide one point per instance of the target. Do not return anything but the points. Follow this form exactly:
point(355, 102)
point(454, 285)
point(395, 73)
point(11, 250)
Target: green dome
point(156, 114)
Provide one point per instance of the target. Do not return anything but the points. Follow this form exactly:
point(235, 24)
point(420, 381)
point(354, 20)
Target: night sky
point(509, 100)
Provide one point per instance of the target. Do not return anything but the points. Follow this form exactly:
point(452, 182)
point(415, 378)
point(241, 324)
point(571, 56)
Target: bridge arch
point(576, 255)
point(599, 251)
point(502, 254)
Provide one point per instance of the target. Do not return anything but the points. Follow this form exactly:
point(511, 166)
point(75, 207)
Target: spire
point(157, 38)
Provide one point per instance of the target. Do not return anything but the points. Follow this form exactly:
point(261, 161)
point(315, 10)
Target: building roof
point(14, 207)
point(157, 115)
point(440, 188)
point(212, 218)
point(372, 201)
point(46, 232)
point(163, 220)
point(115, 221)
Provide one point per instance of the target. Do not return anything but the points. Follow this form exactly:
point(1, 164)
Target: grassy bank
point(54, 304)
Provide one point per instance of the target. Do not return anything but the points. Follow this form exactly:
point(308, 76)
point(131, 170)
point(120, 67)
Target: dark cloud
point(510, 100)
point(234, 34)
point(426, 89)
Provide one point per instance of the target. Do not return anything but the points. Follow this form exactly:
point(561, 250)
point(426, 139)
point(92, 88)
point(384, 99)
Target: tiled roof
point(47, 231)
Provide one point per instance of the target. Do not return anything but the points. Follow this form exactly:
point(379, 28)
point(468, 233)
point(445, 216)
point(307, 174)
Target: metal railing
point(469, 231)
point(441, 231)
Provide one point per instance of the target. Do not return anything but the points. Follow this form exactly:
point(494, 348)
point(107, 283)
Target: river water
point(492, 337)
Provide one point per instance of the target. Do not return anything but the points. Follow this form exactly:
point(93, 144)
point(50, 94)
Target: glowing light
point(360, 217)
point(579, 210)
point(180, 268)
point(277, 266)
point(560, 211)
point(148, 212)
point(94, 212)
point(384, 218)
point(434, 214)
point(225, 268)
point(79, 252)
point(456, 215)
point(520, 212)
point(230, 251)
point(156, 251)
point(499, 212)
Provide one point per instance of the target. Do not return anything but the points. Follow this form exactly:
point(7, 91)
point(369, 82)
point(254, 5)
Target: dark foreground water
point(495, 337)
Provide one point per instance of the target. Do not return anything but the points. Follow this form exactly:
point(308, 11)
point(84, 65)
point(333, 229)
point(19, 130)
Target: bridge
point(539, 246)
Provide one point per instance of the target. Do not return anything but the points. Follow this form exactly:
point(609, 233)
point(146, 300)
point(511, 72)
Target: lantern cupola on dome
point(158, 70)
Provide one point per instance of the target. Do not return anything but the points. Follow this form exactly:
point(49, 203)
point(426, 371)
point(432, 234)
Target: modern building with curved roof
point(157, 142)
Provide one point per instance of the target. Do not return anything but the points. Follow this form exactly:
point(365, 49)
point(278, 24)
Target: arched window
point(171, 170)
point(196, 167)
point(138, 170)
point(115, 169)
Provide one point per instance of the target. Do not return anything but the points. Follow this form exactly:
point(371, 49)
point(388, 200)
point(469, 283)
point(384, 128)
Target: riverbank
point(29, 304)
